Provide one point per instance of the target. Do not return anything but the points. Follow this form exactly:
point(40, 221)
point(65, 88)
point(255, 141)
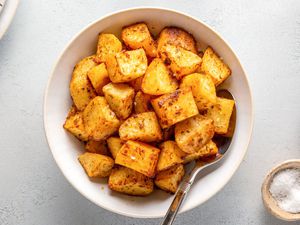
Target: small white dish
point(7, 14)
point(269, 201)
point(65, 148)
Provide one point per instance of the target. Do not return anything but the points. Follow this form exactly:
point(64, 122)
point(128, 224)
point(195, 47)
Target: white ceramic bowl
point(65, 148)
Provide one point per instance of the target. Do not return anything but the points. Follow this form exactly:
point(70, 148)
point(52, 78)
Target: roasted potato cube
point(158, 80)
point(137, 83)
point(130, 182)
point(74, 124)
point(81, 88)
point(170, 155)
point(100, 122)
point(120, 98)
point(214, 66)
point(209, 149)
point(220, 114)
point(99, 77)
point(96, 165)
point(178, 37)
point(142, 103)
point(138, 36)
point(138, 156)
point(203, 89)
point(114, 145)
point(175, 107)
point(127, 66)
point(141, 127)
point(182, 62)
point(108, 45)
point(98, 147)
point(193, 133)
point(169, 180)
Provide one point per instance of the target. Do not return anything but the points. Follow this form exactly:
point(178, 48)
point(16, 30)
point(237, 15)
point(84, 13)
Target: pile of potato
point(146, 107)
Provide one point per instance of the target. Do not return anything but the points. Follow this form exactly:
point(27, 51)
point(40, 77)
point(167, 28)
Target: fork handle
point(177, 201)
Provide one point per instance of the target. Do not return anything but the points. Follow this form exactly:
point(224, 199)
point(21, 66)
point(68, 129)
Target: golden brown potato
point(232, 123)
point(120, 98)
point(96, 165)
point(193, 133)
point(98, 147)
point(214, 66)
point(178, 37)
point(81, 89)
point(74, 124)
point(108, 45)
point(142, 103)
point(114, 145)
point(182, 62)
point(203, 89)
point(99, 120)
point(170, 179)
point(129, 182)
point(220, 114)
point(209, 149)
point(138, 36)
point(127, 66)
point(137, 83)
point(141, 127)
point(170, 155)
point(99, 77)
point(138, 156)
point(158, 79)
point(175, 107)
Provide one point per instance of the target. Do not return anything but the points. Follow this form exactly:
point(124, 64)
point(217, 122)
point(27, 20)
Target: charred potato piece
point(74, 124)
point(178, 37)
point(98, 147)
point(108, 45)
point(81, 88)
point(99, 120)
point(120, 98)
point(207, 150)
point(141, 127)
point(99, 77)
point(114, 145)
point(193, 133)
point(127, 66)
point(142, 103)
point(170, 155)
point(175, 107)
point(203, 89)
point(168, 133)
point(214, 66)
point(138, 36)
point(138, 156)
point(130, 182)
point(182, 62)
point(169, 180)
point(158, 80)
point(96, 165)
point(220, 113)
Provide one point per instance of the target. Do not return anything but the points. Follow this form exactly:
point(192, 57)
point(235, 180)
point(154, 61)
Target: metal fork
point(223, 145)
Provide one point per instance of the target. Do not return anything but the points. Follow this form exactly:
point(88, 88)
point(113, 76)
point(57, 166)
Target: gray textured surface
point(266, 37)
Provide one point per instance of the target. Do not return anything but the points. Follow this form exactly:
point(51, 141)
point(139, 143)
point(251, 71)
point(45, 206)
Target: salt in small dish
point(269, 201)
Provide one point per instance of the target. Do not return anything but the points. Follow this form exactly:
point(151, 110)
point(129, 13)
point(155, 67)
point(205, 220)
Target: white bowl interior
point(65, 148)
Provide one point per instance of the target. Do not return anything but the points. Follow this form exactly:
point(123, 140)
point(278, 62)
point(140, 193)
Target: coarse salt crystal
point(285, 189)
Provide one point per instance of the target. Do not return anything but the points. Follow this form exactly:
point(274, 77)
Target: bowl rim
point(225, 181)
